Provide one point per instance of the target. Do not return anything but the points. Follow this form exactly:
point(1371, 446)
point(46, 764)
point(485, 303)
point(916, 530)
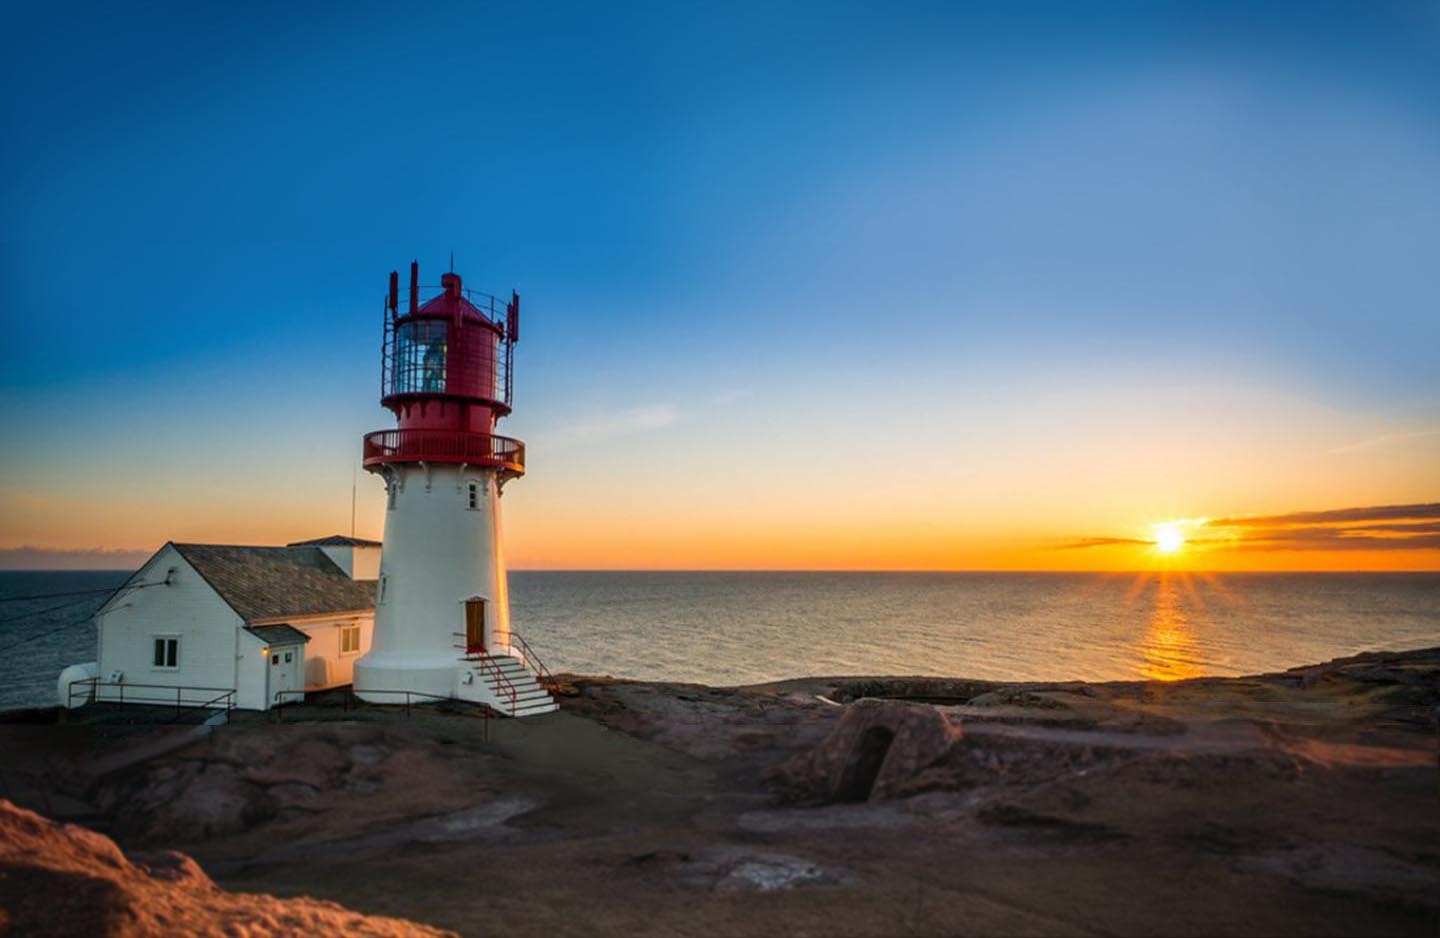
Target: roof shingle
point(282, 633)
point(336, 540)
point(275, 582)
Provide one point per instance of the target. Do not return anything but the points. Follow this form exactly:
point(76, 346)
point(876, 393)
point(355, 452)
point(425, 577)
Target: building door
point(286, 673)
point(475, 625)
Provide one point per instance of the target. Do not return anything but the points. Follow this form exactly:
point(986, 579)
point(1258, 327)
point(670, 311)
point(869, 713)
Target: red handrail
point(487, 663)
point(532, 660)
point(444, 446)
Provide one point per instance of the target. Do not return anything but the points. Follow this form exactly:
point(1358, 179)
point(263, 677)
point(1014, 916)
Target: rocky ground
point(1296, 803)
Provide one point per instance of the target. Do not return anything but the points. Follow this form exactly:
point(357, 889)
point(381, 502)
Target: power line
point(16, 599)
point(56, 608)
point(41, 612)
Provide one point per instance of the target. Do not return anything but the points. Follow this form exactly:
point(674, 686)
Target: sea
point(728, 628)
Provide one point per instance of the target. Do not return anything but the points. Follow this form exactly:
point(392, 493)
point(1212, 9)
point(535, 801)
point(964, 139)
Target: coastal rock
point(59, 879)
point(202, 799)
point(876, 752)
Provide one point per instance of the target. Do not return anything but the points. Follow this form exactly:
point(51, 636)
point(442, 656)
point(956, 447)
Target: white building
point(267, 623)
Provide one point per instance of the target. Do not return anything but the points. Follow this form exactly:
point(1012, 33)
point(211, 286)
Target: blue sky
point(775, 228)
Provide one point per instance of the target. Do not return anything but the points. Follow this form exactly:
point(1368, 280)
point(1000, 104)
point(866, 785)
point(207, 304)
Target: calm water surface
point(730, 628)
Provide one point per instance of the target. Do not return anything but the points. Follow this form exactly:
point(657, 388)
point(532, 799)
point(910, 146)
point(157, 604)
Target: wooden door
point(475, 625)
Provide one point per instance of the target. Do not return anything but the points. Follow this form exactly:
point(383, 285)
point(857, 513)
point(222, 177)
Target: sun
point(1169, 538)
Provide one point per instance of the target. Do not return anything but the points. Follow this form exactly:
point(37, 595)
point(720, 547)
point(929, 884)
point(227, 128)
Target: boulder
point(59, 879)
point(876, 752)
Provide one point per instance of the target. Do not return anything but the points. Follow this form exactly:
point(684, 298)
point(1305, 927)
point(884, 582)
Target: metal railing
point(478, 655)
point(444, 446)
point(502, 314)
point(405, 698)
point(502, 680)
point(532, 660)
point(210, 698)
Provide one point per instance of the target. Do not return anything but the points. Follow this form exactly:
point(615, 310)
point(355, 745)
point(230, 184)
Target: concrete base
point(384, 679)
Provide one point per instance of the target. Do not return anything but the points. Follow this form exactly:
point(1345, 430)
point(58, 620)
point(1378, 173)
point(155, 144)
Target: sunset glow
point(1169, 537)
point(989, 338)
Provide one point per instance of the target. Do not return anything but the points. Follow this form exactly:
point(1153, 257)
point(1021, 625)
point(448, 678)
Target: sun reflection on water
point(1168, 646)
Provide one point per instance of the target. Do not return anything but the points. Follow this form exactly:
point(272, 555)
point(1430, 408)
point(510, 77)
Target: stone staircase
point(530, 698)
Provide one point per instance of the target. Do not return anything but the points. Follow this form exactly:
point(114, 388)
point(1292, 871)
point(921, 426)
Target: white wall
point(359, 563)
point(366, 564)
point(437, 554)
point(325, 665)
point(187, 608)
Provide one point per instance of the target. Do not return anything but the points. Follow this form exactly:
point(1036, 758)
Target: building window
point(390, 488)
point(384, 588)
point(349, 639)
point(167, 653)
point(472, 496)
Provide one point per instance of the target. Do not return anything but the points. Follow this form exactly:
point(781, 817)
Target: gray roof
point(280, 634)
point(276, 582)
point(337, 540)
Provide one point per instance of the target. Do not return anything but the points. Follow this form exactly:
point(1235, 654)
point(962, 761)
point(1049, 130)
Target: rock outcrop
point(60, 879)
point(878, 751)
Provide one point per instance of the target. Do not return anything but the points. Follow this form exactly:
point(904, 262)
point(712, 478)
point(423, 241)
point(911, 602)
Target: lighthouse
point(442, 609)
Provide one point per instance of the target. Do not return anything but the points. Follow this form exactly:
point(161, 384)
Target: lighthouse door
point(475, 625)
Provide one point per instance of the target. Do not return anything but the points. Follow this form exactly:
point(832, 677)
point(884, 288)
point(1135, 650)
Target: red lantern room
point(445, 372)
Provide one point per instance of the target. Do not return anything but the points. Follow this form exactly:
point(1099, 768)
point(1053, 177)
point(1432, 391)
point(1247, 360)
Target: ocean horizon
point(745, 627)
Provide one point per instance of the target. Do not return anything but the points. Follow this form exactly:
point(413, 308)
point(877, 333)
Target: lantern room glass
point(419, 362)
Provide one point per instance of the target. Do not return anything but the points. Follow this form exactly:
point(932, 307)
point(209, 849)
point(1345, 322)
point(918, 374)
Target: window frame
point(170, 643)
point(352, 629)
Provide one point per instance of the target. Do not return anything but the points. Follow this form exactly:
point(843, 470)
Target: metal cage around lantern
point(415, 352)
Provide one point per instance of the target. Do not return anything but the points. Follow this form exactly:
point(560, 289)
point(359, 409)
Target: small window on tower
point(390, 496)
point(472, 496)
point(384, 587)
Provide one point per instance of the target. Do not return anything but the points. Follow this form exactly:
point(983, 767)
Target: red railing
point(477, 654)
point(444, 446)
point(502, 682)
point(532, 660)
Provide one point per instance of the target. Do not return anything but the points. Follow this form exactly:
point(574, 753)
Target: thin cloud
point(1335, 539)
point(1085, 542)
point(1374, 527)
point(1385, 440)
point(92, 558)
point(1335, 516)
point(624, 423)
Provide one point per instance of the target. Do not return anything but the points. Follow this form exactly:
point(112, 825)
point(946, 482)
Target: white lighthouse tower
point(442, 613)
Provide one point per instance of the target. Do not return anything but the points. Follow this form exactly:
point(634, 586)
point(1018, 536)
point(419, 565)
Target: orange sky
point(1013, 491)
